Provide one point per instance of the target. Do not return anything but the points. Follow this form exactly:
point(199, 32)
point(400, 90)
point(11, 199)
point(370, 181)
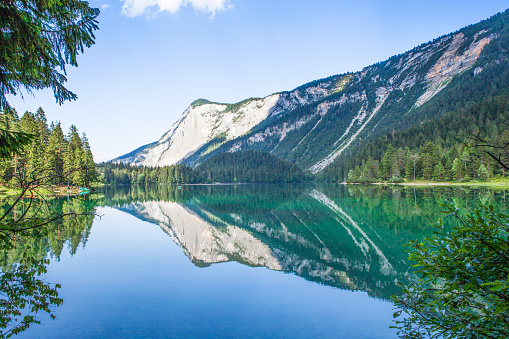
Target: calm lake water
point(238, 261)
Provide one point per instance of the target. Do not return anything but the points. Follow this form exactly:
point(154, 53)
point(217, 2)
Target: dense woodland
point(442, 149)
point(120, 174)
point(249, 166)
point(65, 159)
point(245, 167)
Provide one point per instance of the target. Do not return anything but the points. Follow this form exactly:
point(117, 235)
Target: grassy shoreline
point(53, 190)
point(499, 183)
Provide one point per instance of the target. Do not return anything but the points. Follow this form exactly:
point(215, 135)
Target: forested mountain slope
point(328, 120)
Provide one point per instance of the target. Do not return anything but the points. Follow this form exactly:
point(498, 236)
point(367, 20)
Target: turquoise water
point(240, 261)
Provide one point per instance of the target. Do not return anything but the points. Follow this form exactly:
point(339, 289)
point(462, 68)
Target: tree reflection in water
point(33, 231)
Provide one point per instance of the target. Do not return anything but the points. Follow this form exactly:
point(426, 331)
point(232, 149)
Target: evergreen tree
point(74, 158)
point(456, 170)
point(9, 122)
point(427, 170)
point(439, 172)
point(33, 152)
point(89, 170)
point(483, 173)
point(39, 38)
point(57, 148)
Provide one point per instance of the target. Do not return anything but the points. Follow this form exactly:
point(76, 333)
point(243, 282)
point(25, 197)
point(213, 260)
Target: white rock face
point(451, 64)
point(199, 125)
point(281, 130)
point(291, 100)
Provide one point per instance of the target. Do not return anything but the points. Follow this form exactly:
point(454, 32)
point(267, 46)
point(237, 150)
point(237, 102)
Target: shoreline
point(500, 183)
point(52, 191)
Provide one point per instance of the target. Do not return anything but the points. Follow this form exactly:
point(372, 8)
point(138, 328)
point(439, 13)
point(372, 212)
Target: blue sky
point(152, 58)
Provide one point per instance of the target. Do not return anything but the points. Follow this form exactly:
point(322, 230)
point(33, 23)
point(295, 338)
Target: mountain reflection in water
point(350, 237)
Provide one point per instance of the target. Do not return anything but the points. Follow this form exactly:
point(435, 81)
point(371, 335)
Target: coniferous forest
point(241, 167)
point(442, 149)
point(50, 154)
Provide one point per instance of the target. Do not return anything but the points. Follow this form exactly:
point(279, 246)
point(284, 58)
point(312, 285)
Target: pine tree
point(386, 163)
point(42, 126)
point(357, 174)
point(9, 122)
point(448, 167)
point(90, 172)
point(414, 157)
point(57, 147)
point(427, 170)
point(465, 158)
point(73, 160)
point(439, 172)
point(32, 152)
point(456, 170)
point(483, 173)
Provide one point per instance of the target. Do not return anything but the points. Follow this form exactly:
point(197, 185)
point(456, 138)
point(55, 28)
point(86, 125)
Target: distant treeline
point(65, 159)
point(242, 167)
point(121, 174)
point(440, 149)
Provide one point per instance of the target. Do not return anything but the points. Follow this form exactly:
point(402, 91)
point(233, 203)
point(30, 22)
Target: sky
point(152, 58)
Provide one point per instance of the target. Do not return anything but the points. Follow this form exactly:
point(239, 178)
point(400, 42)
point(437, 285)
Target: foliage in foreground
point(39, 38)
point(463, 291)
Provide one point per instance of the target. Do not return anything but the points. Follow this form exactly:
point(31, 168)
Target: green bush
point(463, 289)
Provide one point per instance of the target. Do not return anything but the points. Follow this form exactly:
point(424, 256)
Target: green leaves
point(463, 290)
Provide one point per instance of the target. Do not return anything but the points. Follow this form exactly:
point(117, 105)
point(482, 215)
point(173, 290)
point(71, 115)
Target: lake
point(237, 260)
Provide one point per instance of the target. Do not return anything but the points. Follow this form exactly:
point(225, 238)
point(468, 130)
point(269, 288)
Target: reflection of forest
point(344, 236)
point(27, 243)
point(70, 231)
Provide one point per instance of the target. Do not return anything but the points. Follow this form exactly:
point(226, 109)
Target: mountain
point(209, 124)
point(322, 121)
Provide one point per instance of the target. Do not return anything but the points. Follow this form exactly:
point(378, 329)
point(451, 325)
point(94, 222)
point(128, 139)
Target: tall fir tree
point(57, 147)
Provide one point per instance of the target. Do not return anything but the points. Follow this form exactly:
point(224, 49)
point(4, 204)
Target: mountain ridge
point(318, 122)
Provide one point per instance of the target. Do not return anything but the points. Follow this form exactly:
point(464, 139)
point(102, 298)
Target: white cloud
point(132, 8)
point(104, 6)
